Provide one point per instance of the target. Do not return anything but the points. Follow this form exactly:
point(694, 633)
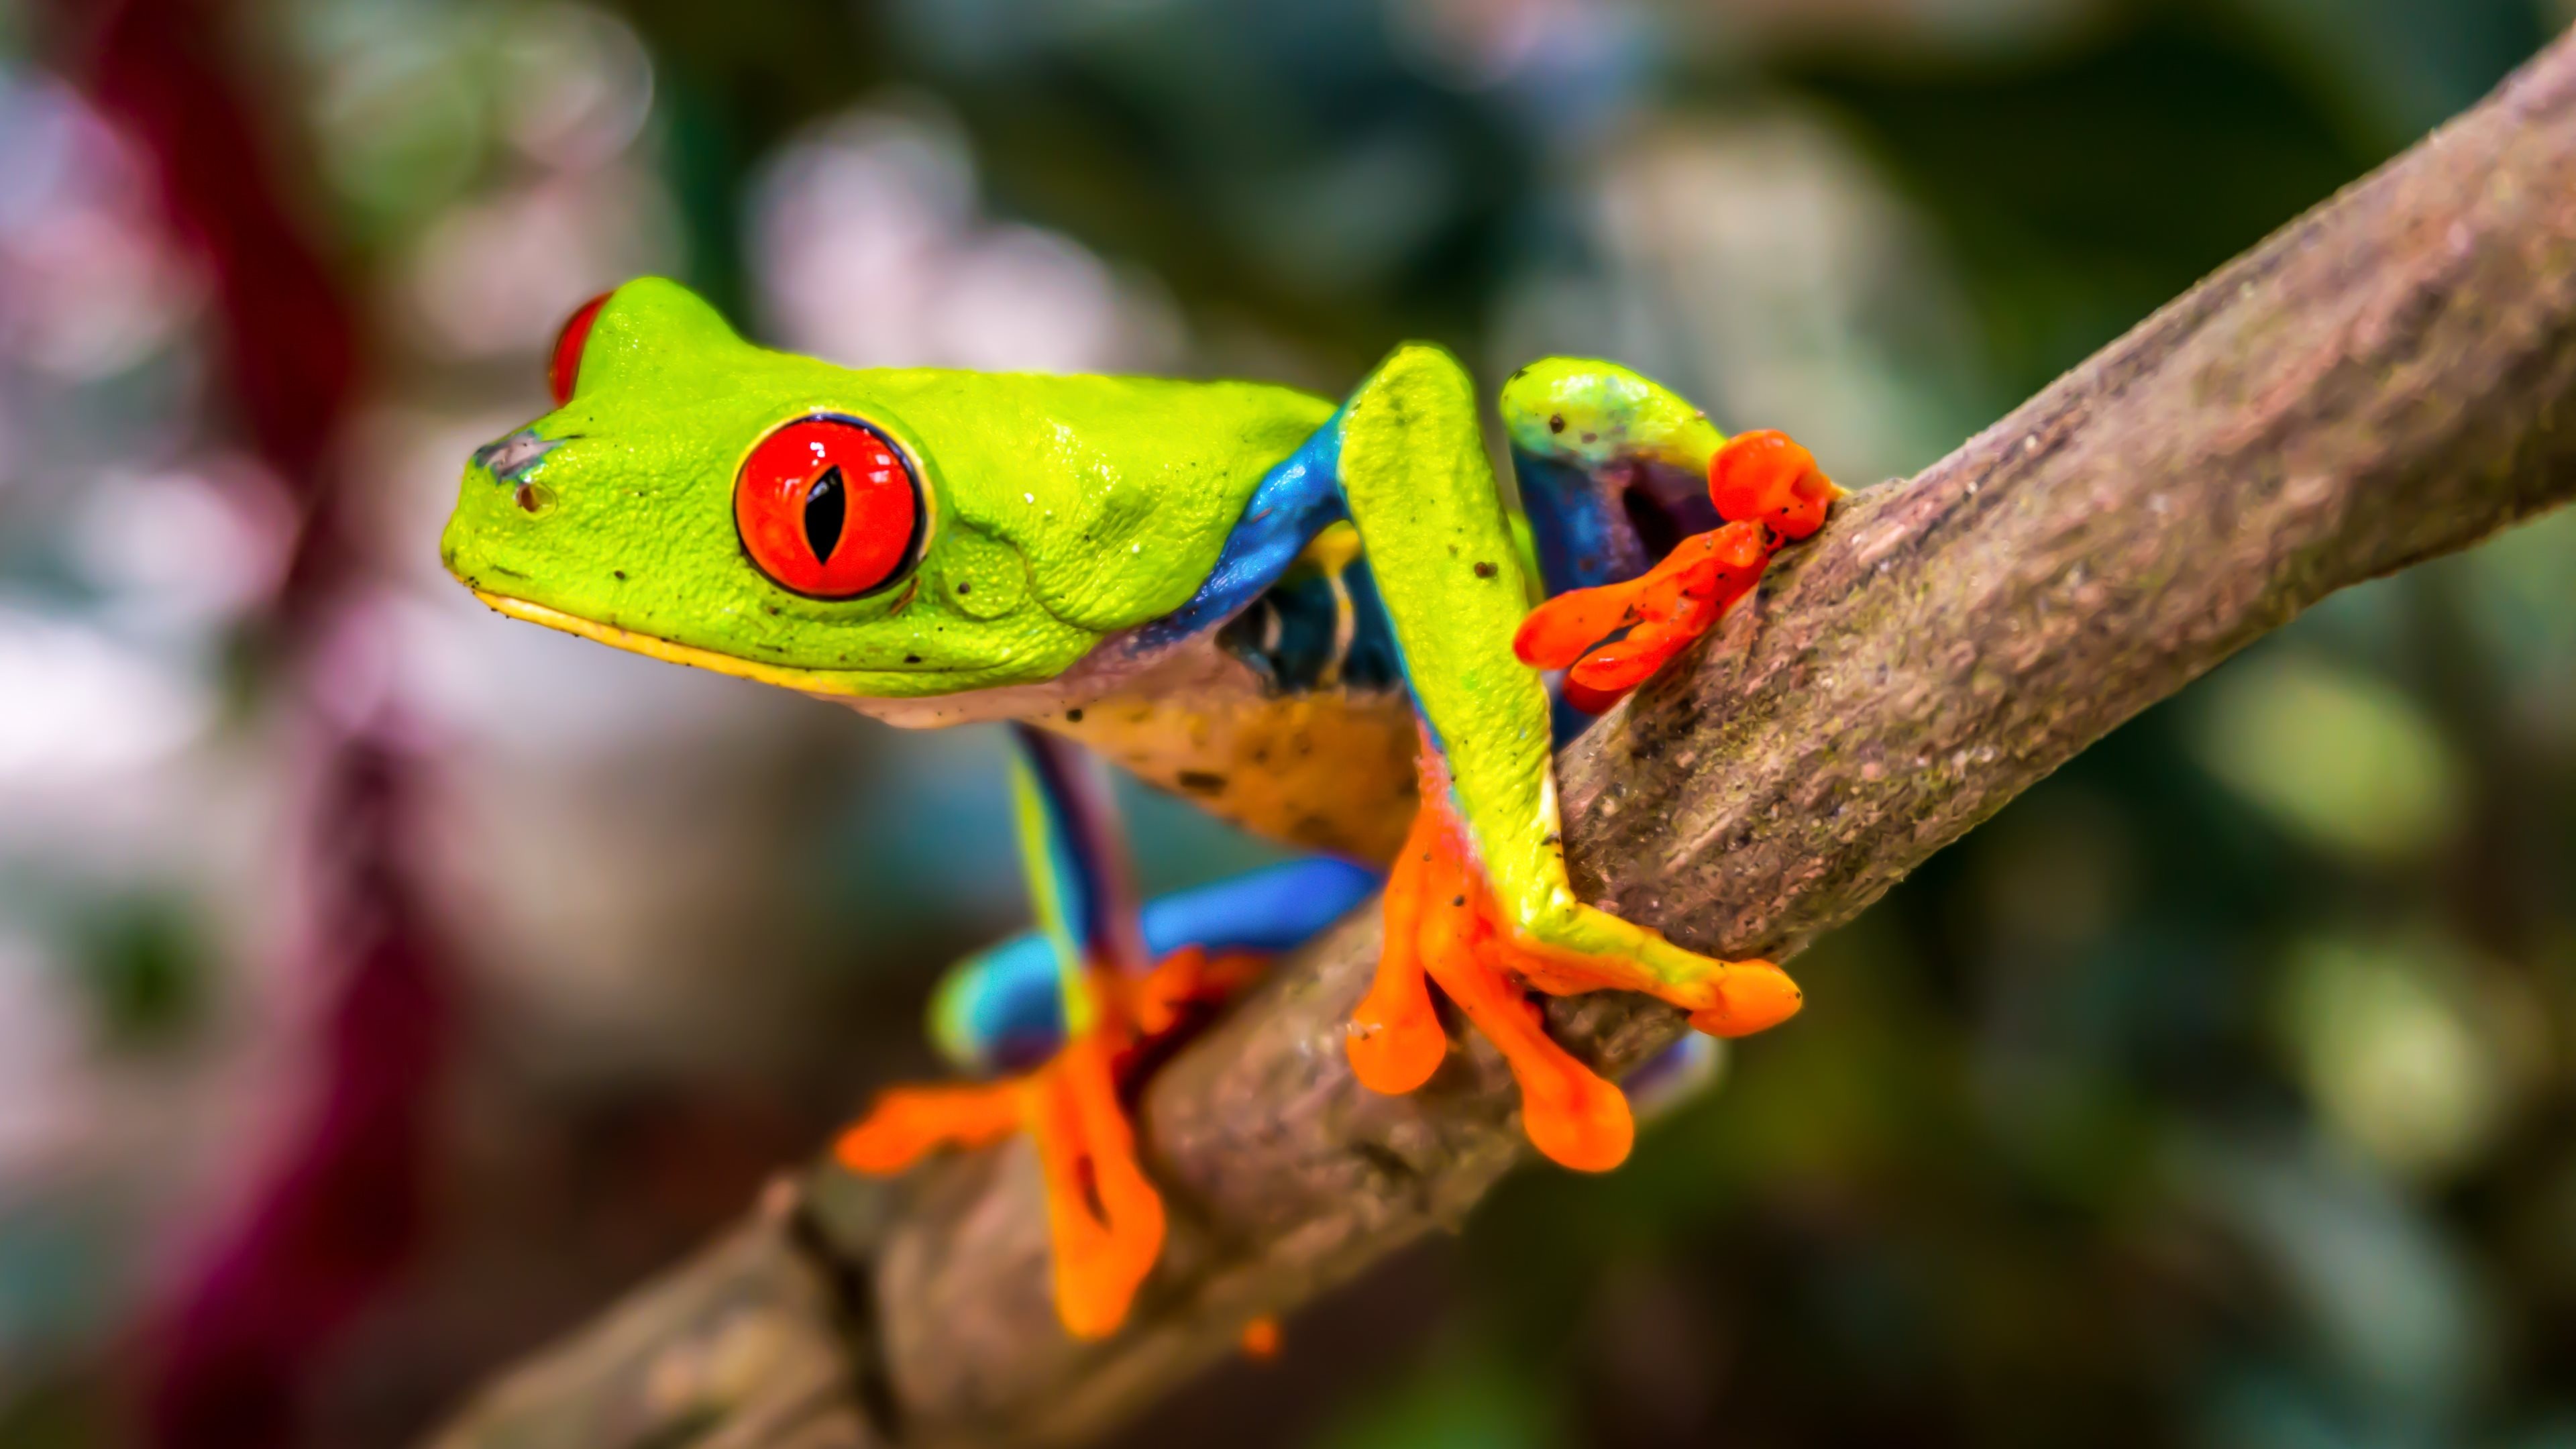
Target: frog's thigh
point(1420, 491)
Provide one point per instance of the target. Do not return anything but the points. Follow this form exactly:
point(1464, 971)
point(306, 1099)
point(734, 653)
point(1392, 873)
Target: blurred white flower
point(1765, 267)
point(497, 277)
point(89, 285)
point(186, 551)
point(871, 250)
point(83, 706)
point(1022, 297)
point(1571, 68)
point(577, 87)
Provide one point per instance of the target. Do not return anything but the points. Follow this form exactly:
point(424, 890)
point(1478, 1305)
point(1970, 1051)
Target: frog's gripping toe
point(1661, 612)
point(1441, 923)
point(1752, 996)
point(1444, 924)
point(1613, 638)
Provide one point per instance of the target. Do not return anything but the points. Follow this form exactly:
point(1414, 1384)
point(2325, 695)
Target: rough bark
point(2390, 378)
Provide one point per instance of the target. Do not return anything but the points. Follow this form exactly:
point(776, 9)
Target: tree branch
point(2391, 378)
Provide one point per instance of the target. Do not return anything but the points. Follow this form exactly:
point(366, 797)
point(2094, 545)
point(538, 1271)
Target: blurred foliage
point(2217, 1092)
point(143, 965)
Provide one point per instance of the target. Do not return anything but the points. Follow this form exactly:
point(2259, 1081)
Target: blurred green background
point(2219, 1092)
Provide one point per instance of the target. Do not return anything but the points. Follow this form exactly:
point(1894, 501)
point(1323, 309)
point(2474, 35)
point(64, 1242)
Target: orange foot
point(1103, 1215)
point(1769, 489)
point(1442, 922)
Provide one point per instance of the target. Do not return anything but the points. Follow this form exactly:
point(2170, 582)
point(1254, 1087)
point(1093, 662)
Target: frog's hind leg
point(1104, 1216)
point(1006, 1009)
point(1441, 925)
point(1482, 905)
point(1444, 924)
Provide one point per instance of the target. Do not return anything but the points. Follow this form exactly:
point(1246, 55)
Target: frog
point(1317, 619)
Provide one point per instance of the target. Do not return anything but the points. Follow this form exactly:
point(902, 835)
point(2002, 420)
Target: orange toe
point(1661, 613)
point(1752, 996)
point(1764, 477)
point(1395, 1040)
point(1261, 1339)
point(1556, 633)
point(907, 1123)
point(1105, 1217)
point(1187, 982)
point(1573, 1117)
point(1441, 920)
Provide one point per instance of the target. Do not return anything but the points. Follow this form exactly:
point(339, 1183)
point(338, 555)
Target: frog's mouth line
point(810, 681)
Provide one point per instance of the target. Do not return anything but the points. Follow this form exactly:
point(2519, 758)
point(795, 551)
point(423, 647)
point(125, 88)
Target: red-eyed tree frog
point(1313, 619)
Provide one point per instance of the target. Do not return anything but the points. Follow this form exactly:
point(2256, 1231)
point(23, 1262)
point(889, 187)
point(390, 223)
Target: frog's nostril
point(533, 497)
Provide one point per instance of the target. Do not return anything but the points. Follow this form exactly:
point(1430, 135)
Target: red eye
point(563, 368)
point(828, 508)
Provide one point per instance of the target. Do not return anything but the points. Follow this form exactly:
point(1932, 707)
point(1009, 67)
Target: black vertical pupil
point(827, 506)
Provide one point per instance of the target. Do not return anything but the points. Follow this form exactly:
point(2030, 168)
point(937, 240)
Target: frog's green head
point(702, 500)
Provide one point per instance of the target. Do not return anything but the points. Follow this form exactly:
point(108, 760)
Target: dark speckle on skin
point(1592, 437)
point(1486, 571)
point(618, 574)
point(1073, 716)
point(1556, 422)
point(772, 608)
point(1202, 782)
point(912, 659)
point(965, 588)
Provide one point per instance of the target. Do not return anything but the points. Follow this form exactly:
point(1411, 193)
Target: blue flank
point(1297, 499)
point(1000, 1010)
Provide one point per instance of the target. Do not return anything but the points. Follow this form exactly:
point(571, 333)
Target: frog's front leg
point(1479, 900)
point(1650, 524)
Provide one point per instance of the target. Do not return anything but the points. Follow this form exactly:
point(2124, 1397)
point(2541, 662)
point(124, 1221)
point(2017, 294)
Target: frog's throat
point(809, 681)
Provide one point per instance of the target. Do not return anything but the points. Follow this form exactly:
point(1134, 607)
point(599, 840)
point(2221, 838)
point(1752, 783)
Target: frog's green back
point(1118, 490)
point(1062, 508)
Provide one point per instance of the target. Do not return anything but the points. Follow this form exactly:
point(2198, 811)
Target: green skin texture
point(1065, 509)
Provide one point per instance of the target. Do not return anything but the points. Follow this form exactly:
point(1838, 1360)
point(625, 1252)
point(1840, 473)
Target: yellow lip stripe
point(811, 681)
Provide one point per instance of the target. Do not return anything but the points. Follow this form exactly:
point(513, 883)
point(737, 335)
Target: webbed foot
point(1444, 923)
point(1104, 1218)
point(1103, 1215)
point(1613, 638)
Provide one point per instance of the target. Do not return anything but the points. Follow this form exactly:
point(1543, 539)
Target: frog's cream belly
point(1331, 770)
point(1328, 768)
